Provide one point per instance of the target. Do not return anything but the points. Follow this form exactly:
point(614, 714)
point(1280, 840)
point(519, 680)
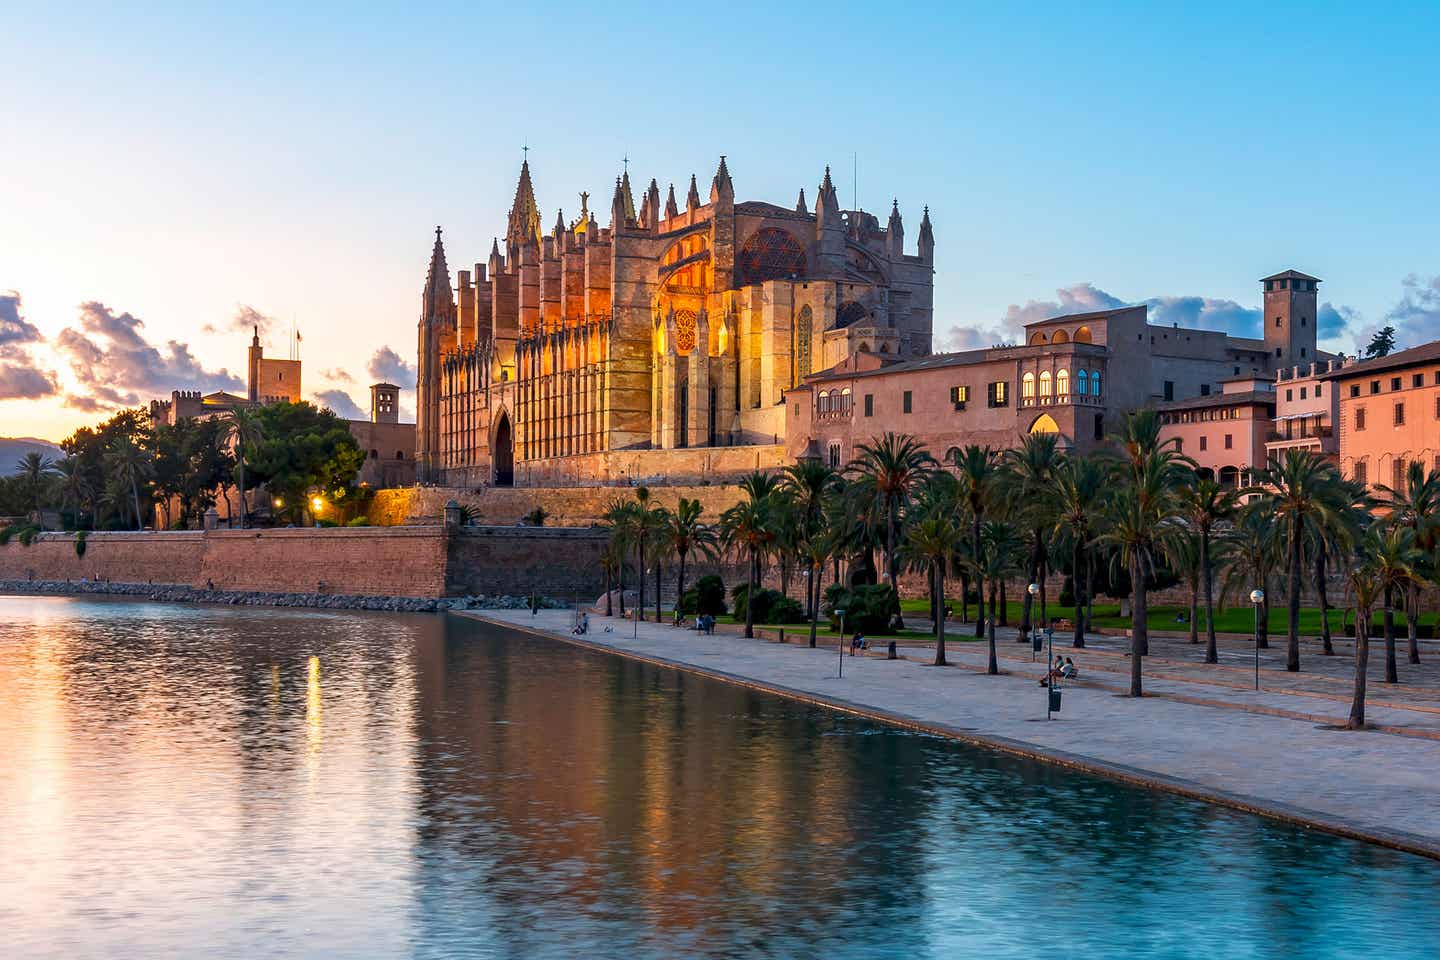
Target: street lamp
point(1034, 591)
point(1257, 597)
point(840, 612)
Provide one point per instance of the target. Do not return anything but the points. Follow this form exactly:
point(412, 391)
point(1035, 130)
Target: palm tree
point(1002, 548)
point(811, 483)
point(1386, 560)
point(977, 468)
point(1143, 516)
point(1206, 504)
point(1077, 498)
point(686, 533)
point(1252, 547)
point(893, 467)
point(748, 526)
point(1416, 504)
point(243, 428)
point(1336, 537)
point(35, 471)
point(931, 539)
point(1030, 470)
point(1299, 489)
point(625, 530)
point(74, 485)
point(611, 560)
point(130, 465)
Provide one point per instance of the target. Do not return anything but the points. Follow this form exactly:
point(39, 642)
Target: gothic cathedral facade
point(671, 328)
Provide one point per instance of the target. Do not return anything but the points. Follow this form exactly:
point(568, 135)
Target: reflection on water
point(183, 781)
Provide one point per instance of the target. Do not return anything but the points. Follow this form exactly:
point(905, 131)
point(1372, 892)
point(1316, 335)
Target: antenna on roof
point(854, 181)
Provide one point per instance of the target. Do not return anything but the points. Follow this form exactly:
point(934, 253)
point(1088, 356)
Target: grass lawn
point(1233, 619)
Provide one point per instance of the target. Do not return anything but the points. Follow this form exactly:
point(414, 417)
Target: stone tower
point(257, 353)
point(1290, 308)
point(437, 337)
point(384, 403)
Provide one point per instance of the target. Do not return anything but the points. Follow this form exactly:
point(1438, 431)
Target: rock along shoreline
point(178, 593)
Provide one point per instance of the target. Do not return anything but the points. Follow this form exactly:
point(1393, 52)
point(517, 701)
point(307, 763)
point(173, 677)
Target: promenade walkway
point(1270, 752)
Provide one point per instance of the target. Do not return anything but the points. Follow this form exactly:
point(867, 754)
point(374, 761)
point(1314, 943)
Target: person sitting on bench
point(858, 642)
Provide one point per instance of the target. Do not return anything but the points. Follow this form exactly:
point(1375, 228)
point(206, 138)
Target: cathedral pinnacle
point(672, 210)
point(524, 226)
point(437, 299)
point(800, 206)
point(692, 199)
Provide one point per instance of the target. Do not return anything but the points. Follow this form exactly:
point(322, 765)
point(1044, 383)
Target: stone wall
point(566, 506)
point(362, 561)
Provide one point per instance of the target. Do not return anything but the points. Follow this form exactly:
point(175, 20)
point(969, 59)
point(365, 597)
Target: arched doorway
point(1044, 424)
point(504, 453)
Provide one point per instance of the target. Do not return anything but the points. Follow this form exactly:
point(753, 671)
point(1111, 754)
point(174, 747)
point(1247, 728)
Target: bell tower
point(1290, 306)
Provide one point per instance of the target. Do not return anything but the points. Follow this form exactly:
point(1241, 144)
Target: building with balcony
point(1388, 414)
point(1306, 409)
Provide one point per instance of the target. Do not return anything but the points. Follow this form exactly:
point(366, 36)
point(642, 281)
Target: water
point(184, 781)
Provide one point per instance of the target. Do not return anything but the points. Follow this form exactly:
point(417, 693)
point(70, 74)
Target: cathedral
point(593, 354)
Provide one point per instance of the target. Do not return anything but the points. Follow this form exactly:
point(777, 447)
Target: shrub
point(360, 521)
point(784, 610)
point(537, 517)
point(1067, 593)
point(765, 601)
point(706, 596)
point(80, 544)
point(322, 522)
point(869, 607)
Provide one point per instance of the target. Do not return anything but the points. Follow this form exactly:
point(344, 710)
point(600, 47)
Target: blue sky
point(177, 165)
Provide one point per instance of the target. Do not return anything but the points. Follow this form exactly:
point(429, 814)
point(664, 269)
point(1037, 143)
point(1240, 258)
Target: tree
point(1000, 555)
point(1301, 488)
point(36, 472)
point(1381, 344)
point(304, 451)
point(1030, 470)
point(977, 468)
point(1143, 516)
point(610, 563)
point(686, 534)
point(1204, 506)
point(748, 526)
point(931, 539)
point(130, 465)
point(1077, 500)
point(892, 468)
point(244, 431)
point(75, 486)
point(811, 483)
point(1252, 548)
point(625, 531)
point(1386, 560)
point(1416, 504)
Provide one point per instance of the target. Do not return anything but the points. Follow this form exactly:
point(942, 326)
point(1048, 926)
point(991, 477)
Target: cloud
point(21, 377)
point(1416, 317)
point(336, 375)
point(385, 364)
point(1332, 321)
point(245, 320)
point(1076, 298)
point(1205, 313)
point(340, 402)
point(117, 367)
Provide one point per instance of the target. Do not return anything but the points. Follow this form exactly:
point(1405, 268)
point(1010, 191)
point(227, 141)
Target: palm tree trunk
point(1326, 646)
point(1207, 571)
point(1392, 675)
point(609, 604)
point(964, 597)
point(621, 576)
point(680, 585)
point(993, 667)
point(1264, 641)
point(1139, 626)
point(1195, 610)
point(640, 575)
point(979, 578)
point(657, 588)
point(1076, 556)
point(1412, 620)
point(1089, 591)
point(1004, 606)
point(891, 565)
point(135, 495)
point(750, 597)
point(1292, 635)
point(1044, 575)
point(937, 580)
point(245, 507)
point(1027, 602)
point(1362, 660)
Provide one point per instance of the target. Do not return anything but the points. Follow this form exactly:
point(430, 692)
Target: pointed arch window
point(1095, 383)
point(804, 331)
point(1082, 382)
point(1045, 384)
point(1027, 387)
point(1062, 383)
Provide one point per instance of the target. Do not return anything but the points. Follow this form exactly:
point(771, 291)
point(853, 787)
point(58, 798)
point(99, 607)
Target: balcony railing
point(1306, 433)
point(1064, 399)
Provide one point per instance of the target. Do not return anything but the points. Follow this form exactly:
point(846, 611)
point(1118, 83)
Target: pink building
point(1389, 414)
point(1306, 409)
point(1224, 433)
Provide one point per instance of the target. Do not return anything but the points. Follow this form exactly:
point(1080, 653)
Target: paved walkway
point(1268, 752)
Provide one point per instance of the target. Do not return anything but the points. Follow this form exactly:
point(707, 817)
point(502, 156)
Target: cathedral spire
point(524, 226)
point(628, 195)
point(895, 232)
point(927, 238)
point(721, 186)
point(437, 300)
point(800, 206)
point(672, 209)
point(692, 199)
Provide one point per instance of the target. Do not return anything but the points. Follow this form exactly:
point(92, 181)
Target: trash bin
point(1037, 642)
point(1054, 700)
point(890, 653)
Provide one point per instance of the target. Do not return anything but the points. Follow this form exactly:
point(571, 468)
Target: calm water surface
point(185, 781)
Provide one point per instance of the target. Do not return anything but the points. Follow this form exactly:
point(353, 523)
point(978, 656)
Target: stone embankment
point(178, 593)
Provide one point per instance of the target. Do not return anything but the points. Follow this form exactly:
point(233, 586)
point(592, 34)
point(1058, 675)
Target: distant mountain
point(13, 450)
